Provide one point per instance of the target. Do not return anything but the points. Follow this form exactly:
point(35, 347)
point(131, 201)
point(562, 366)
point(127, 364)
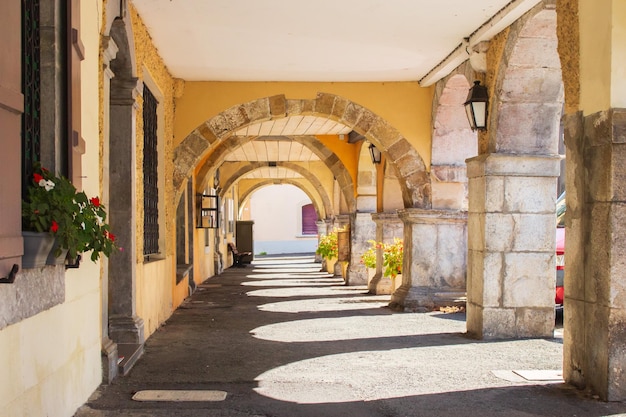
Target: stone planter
point(56, 260)
point(330, 265)
point(37, 247)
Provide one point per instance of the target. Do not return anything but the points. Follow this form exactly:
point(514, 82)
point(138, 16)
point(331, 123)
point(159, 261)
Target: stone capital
point(502, 164)
point(422, 216)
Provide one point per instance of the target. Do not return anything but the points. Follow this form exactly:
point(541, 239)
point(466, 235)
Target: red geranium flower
point(37, 178)
point(95, 201)
point(55, 227)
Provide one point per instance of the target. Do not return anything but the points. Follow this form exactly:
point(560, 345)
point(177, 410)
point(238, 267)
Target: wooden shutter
point(309, 219)
point(76, 53)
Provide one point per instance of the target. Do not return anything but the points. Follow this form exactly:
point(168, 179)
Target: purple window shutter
point(309, 219)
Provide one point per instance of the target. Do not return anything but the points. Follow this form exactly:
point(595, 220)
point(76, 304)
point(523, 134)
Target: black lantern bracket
point(375, 154)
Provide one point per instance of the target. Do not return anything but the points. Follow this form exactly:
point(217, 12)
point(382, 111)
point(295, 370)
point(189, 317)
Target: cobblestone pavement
point(282, 339)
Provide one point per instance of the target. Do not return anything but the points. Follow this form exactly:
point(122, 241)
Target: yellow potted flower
point(328, 249)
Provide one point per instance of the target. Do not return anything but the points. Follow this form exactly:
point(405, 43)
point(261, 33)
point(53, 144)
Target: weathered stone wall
point(596, 208)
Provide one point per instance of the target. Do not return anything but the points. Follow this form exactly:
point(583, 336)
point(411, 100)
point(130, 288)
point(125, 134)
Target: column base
point(425, 299)
point(380, 285)
point(510, 323)
point(125, 329)
point(109, 360)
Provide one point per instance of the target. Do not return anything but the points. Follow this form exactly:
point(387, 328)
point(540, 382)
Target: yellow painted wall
point(595, 55)
point(618, 50)
point(603, 56)
point(348, 153)
point(156, 280)
point(51, 362)
point(405, 105)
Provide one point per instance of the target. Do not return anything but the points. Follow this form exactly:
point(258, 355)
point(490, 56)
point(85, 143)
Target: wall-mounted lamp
point(476, 106)
point(375, 154)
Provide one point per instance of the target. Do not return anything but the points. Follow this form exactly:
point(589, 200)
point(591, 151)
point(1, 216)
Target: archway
point(320, 210)
point(330, 160)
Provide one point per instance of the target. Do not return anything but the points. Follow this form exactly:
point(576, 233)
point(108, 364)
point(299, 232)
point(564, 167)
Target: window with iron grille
point(150, 174)
point(31, 77)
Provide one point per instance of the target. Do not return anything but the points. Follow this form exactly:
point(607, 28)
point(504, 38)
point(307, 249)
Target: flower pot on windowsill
point(59, 259)
point(37, 247)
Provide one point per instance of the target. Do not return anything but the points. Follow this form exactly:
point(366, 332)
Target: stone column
point(124, 325)
point(433, 272)
point(362, 229)
point(595, 254)
point(109, 348)
point(388, 227)
point(511, 245)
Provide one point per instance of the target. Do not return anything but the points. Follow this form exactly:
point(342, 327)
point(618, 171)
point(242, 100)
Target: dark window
point(309, 219)
point(150, 174)
point(31, 77)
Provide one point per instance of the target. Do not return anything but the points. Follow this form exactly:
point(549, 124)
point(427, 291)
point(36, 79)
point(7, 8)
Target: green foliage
point(369, 256)
point(393, 254)
point(77, 222)
point(327, 247)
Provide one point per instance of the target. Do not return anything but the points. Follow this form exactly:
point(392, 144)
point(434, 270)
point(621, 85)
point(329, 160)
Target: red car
point(560, 265)
point(560, 249)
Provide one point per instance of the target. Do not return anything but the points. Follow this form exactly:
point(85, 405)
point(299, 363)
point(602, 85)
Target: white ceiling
point(321, 40)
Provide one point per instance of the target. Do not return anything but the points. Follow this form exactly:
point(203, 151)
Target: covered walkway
point(279, 338)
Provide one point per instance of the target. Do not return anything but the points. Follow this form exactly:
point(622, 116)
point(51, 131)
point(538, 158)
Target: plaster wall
point(405, 105)
point(154, 294)
point(602, 55)
point(51, 361)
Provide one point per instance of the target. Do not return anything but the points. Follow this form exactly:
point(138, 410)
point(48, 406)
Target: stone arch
point(245, 196)
point(289, 165)
point(331, 160)
point(453, 142)
point(413, 175)
point(525, 117)
point(511, 266)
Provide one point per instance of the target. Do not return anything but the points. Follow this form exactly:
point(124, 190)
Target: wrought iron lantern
point(375, 154)
point(476, 106)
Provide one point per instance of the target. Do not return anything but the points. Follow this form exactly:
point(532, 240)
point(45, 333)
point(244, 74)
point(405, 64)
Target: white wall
point(276, 211)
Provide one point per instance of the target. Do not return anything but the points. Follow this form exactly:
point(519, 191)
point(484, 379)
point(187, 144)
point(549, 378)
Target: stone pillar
point(511, 245)
point(433, 272)
point(595, 306)
point(109, 348)
point(388, 227)
point(362, 229)
point(124, 325)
